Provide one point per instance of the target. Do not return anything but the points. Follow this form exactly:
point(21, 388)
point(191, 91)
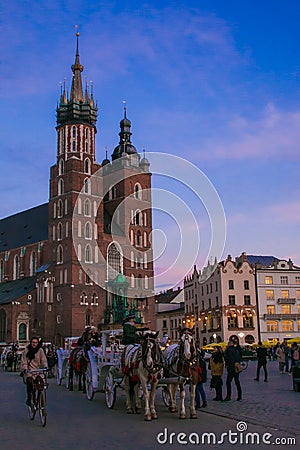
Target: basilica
point(84, 258)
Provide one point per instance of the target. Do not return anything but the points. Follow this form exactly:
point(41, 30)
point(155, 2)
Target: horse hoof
point(130, 411)
point(154, 416)
point(148, 418)
point(193, 416)
point(172, 409)
point(182, 416)
point(138, 410)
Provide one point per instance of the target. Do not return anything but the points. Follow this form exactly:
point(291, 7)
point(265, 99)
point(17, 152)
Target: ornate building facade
point(85, 257)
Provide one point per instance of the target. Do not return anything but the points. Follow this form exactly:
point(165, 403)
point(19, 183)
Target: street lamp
point(241, 335)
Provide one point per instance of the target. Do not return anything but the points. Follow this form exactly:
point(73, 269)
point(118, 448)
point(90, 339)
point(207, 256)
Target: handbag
point(237, 367)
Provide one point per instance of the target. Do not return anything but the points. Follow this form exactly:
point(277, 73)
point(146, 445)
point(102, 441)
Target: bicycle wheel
point(32, 407)
point(42, 407)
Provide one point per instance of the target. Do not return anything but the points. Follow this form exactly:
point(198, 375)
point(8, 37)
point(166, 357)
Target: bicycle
point(38, 395)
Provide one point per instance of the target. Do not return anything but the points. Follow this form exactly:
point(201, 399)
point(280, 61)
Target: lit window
point(284, 293)
point(270, 294)
point(272, 325)
point(270, 309)
point(287, 325)
point(268, 280)
point(286, 309)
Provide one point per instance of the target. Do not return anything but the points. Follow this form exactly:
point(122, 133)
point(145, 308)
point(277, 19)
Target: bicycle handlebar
point(45, 369)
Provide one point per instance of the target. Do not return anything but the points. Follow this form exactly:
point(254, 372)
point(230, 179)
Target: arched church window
point(138, 238)
point(74, 132)
point(88, 234)
point(22, 332)
point(114, 261)
point(87, 166)
point(16, 267)
point(33, 261)
point(60, 208)
point(138, 191)
point(59, 255)
point(87, 207)
point(60, 187)
point(88, 254)
point(61, 167)
point(59, 232)
point(87, 186)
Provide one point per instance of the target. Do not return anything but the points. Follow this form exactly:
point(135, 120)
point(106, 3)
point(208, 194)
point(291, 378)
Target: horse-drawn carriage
point(139, 370)
point(11, 358)
point(170, 369)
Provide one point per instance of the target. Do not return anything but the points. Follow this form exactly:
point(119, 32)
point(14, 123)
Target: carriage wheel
point(110, 391)
point(42, 407)
point(89, 384)
point(166, 396)
point(66, 375)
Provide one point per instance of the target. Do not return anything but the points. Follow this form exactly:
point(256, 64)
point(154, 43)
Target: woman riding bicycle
point(33, 358)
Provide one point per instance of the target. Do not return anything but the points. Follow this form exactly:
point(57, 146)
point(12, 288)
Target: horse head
point(150, 350)
point(187, 348)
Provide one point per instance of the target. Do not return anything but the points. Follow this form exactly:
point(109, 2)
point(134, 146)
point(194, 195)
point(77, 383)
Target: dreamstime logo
point(99, 202)
point(233, 437)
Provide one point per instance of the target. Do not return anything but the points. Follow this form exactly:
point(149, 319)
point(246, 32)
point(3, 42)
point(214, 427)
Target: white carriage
point(104, 367)
point(62, 365)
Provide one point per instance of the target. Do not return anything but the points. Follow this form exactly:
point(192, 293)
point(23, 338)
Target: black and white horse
point(181, 363)
point(142, 365)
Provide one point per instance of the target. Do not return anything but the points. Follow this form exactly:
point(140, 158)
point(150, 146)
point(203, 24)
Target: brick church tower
point(99, 256)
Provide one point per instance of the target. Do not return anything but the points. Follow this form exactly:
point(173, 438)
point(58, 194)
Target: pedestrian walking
point(294, 355)
point(280, 354)
point(216, 366)
point(202, 378)
point(261, 361)
point(232, 356)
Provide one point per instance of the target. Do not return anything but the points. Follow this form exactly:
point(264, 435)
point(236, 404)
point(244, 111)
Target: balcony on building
point(282, 316)
point(286, 301)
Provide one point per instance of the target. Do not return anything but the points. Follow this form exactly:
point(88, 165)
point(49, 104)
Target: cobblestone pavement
point(274, 404)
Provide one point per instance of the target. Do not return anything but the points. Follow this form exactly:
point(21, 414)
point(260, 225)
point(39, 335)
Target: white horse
point(181, 363)
point(142, 365)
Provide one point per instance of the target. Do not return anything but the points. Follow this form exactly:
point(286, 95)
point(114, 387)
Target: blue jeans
point(200, 392)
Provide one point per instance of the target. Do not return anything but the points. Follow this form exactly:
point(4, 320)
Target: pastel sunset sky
point(216, 82)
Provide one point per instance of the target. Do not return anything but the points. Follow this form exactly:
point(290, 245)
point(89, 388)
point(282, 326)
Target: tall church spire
point(80, 107)
point(77, 68)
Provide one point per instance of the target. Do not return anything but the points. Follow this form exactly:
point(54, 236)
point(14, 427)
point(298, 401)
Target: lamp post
point(241, 335)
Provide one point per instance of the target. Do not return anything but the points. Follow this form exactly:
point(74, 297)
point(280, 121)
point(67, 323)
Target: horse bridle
point(156, 365)
point(192, 361)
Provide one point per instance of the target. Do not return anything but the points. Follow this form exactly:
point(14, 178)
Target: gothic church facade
point(85, 257)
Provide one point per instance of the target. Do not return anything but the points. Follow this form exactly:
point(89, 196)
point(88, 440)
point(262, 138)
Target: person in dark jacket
point(202, 378)
point(129, 330)
point(232, 355)
point(261, 361)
